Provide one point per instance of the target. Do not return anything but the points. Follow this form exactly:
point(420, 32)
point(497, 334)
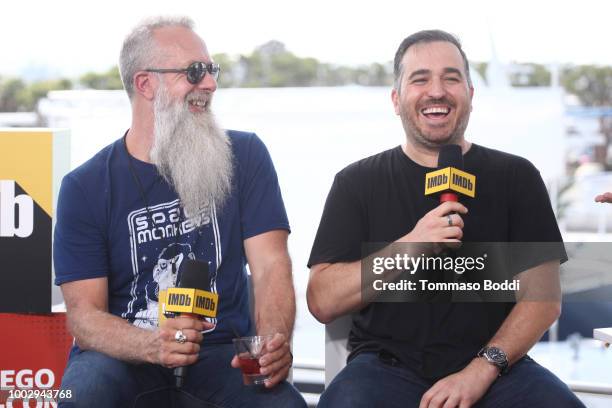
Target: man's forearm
point(337, 289)
point(524, 326)
point(334, 290)
point(538, 306)
point(109, 334)
point(275, 299)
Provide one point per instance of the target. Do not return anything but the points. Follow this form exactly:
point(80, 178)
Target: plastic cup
point(249, 350)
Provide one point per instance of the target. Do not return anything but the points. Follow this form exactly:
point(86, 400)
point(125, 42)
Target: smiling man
point(174, 188)
point(436, 355)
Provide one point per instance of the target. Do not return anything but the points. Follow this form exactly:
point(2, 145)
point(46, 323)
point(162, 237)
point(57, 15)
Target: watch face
point(496, 355)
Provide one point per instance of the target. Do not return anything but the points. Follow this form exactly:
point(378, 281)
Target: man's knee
point(552, 390)
point(93, 379)
point(569, 400)
point(282, 395)
point(529, 384)
point(342, 393)
point(547, 387)
point(367, 382)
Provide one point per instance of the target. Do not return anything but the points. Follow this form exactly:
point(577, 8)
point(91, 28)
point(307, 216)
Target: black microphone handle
point(179, 376)
point(194, 275)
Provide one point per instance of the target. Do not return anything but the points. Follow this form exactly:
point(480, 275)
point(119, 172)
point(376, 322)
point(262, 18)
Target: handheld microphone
point(450, 180)
point(191, 298)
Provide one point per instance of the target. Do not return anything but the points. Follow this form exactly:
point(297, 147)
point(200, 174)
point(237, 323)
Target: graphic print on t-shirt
point(160, 241)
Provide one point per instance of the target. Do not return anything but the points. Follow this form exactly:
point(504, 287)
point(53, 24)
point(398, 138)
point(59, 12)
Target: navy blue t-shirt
point(104, 230)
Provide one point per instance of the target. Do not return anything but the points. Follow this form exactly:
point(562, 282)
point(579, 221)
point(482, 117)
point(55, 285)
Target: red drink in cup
point(249, 350)
point(249, 366)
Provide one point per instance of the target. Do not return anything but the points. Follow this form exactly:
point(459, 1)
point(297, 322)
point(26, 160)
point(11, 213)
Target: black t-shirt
point(380, 199)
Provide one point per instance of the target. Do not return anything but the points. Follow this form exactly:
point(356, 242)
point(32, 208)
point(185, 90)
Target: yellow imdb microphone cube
point(191, 301)
point(450, 179)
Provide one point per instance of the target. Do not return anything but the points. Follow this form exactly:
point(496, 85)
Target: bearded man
point(175, 179)
point(436, 354)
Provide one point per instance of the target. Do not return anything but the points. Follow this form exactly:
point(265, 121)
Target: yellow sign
point(450, 179)
point(32, 164)
point(193, 301)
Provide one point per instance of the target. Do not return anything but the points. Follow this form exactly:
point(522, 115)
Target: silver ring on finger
point(180, 337)
point(450, 220)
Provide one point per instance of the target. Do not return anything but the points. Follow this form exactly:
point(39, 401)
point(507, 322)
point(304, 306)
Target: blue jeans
point(97, 380)
point(368, 382)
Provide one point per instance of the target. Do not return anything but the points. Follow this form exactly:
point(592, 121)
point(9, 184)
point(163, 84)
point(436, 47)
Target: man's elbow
point(316, 306)
point(75, 329)
point(551, 312)
point(79, 321)
point(320, 314)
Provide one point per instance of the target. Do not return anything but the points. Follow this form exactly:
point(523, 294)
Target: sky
point(67, 38)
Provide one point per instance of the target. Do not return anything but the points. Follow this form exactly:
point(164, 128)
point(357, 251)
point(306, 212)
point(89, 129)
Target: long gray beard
point(192, 153)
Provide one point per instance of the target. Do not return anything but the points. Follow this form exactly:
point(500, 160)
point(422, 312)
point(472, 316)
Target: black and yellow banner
point(28, 184)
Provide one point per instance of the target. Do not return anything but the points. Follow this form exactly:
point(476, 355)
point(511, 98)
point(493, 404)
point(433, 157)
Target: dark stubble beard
point(192, 153)
point(415, 135)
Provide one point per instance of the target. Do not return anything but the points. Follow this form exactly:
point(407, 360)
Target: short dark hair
point(426, 36)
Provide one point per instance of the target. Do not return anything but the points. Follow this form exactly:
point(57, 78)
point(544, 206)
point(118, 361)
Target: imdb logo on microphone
point(32, 163)
point(450, 179)
point(193, 301)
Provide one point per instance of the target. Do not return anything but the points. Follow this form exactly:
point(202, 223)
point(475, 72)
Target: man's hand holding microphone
point(177, 341)
point(444, 225)
point(178, 338)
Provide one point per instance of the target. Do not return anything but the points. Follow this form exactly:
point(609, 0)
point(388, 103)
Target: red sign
point(33, 354)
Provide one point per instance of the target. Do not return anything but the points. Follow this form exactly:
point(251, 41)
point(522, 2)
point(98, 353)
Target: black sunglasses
point(194, 72)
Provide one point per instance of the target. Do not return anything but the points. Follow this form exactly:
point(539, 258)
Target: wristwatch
point(495, 356)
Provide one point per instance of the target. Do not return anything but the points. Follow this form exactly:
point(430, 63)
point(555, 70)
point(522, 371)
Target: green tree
point(39, 89)
point(530, 74)
point(272, 65)
point(288, 70)
point(11, 95)
point(226, 75)
point(481, 68)
point(16, 95)
point(590, 83)
point(330, 75)
point(110, 79)
point(380, 74)
point(254, 73)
